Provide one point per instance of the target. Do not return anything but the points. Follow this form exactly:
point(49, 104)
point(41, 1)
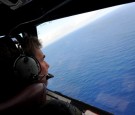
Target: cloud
point(52, 31)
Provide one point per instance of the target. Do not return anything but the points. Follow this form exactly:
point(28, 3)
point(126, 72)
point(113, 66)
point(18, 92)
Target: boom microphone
point(48, 76)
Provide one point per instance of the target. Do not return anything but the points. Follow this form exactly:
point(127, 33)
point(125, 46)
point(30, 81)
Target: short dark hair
point(30, 44)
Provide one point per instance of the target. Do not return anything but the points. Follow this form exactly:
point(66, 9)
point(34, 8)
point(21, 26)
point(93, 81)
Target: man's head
point(32, 47)
point(9, 55)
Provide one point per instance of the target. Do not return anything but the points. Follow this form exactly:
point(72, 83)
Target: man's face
point(44, 66)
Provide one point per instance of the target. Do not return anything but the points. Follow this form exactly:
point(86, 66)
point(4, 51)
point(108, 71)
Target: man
point(17, 59)
point(51, 107)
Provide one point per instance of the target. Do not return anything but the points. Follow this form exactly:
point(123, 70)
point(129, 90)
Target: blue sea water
point(96, 63)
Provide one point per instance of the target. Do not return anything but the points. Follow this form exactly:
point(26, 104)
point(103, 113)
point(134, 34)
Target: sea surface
point(96, 63)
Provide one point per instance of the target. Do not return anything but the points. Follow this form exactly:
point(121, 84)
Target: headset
point(25, 67)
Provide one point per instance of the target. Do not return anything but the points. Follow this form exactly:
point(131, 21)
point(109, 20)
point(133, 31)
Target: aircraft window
point(92, 57)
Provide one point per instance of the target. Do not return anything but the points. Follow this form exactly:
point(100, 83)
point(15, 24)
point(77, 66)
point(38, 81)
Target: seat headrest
point(34, 93)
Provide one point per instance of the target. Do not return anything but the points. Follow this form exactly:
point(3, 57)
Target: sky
point(52, 31)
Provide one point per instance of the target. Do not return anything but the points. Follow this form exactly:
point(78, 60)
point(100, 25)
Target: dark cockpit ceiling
point(21, 14)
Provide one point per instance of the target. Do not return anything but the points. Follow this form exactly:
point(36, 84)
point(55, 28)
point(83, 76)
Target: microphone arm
point(49, 76)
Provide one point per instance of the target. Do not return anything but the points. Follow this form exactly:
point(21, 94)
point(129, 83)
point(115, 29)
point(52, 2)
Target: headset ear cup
point(27, 68)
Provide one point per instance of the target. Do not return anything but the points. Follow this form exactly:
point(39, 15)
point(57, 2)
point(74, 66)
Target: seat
point(33, 94)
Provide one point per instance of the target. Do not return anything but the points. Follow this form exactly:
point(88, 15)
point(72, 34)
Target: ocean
point(96, 63)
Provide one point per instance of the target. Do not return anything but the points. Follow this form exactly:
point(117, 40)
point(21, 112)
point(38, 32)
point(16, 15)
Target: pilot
point(22, 63)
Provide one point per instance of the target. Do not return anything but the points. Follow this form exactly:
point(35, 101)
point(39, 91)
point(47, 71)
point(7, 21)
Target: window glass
point(92, 57)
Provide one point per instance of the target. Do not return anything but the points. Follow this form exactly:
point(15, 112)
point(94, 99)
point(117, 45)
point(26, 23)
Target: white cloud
point(50, 32)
